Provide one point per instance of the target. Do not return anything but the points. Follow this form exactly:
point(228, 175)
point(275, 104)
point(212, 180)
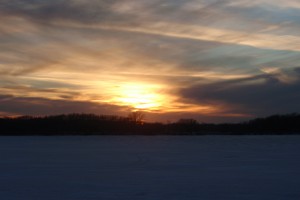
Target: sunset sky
point(212, 60)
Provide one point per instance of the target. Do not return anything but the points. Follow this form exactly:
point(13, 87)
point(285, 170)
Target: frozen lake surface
point(150, 168)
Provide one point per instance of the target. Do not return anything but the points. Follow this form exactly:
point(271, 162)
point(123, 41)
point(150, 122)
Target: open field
point(150, 168)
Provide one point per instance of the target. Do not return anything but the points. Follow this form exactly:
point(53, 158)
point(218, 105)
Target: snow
point(150, 168)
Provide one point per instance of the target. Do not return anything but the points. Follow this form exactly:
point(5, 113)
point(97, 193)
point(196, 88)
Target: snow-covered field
point(150, 168)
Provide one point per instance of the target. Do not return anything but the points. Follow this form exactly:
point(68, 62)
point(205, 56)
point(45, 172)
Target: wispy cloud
point(81, 51)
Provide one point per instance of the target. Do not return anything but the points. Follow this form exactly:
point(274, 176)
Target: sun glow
point(149, 97)
point(140, 96)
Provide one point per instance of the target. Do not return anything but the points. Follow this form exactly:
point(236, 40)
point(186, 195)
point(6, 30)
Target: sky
point(211, 60)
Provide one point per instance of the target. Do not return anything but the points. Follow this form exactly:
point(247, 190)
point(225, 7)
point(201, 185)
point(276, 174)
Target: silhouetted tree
point(90, 124)
point(137, 117)
point(187, 125)
point(187, 121)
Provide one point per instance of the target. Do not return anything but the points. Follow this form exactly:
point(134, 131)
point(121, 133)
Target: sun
point(140, 96)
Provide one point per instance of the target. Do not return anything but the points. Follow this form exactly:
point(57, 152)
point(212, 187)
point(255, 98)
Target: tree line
point(133, 124)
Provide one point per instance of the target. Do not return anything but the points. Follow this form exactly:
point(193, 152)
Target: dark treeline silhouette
point(90, 124)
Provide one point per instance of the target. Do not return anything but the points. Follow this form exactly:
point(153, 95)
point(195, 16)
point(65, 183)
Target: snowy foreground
point(150, 168)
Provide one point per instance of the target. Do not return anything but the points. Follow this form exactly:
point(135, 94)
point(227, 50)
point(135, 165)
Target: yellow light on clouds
point(140, 96)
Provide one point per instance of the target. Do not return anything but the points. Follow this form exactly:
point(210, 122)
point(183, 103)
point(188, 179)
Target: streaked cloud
point(178, 53)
